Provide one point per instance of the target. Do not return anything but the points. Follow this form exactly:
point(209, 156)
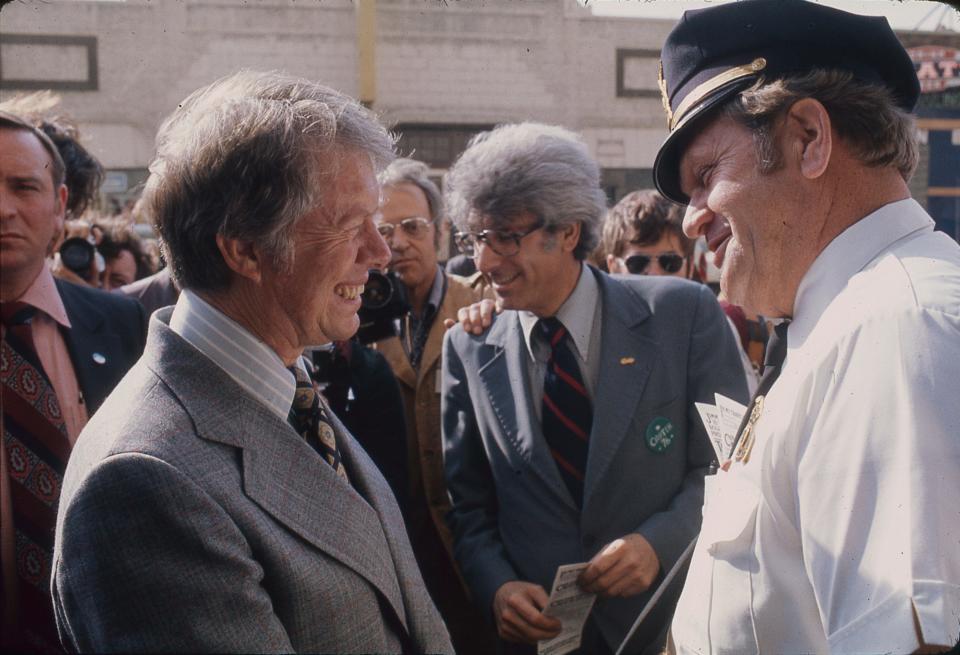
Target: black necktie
point(772, 364)
point(567, 411)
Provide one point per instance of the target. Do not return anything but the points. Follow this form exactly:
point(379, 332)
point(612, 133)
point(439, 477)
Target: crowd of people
point(201, 454)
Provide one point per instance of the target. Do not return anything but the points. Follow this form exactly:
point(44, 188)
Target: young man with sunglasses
point(410, 213)
point(569, 428)
point(643, 235)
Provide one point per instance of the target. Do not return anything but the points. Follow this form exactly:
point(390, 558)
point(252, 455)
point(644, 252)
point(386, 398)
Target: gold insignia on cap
point(662, 83)
point(704, 89)
point(627, 361)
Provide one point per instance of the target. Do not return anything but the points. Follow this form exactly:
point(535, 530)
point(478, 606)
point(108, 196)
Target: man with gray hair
point(215, 503)
point(410, 215)
point(569, 427)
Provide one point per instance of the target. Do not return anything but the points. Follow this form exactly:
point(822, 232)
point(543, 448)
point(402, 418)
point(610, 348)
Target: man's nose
point(485, 259)
point(375, 251)
point(696, 218)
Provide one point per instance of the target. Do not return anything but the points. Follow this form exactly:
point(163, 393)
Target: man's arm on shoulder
point(473, 515)
point(146, 560)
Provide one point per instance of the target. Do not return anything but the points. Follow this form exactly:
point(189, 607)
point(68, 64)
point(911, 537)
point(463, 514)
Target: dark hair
point(118, 236)
point(12, 122)
point(643, 217)
point(84, 173)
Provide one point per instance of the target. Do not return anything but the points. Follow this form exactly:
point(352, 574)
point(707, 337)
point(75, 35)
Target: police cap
point(715, 53)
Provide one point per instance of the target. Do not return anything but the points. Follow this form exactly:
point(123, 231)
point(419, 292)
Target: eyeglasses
point(505, 244)
point(415, 227)
point(638, 264)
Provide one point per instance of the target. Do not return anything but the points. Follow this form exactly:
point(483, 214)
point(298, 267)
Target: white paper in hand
point(731, 414)
point(710, 416)
point(570, 605)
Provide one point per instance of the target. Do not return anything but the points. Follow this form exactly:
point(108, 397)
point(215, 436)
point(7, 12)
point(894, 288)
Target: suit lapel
point(92, 348)
point(289, 480)
point(281, 472)
point(505, 377)
point(392, 351)
point(627, 357)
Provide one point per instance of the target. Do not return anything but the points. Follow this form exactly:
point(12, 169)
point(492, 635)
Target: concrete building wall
point(438, 63)
point(467, 62)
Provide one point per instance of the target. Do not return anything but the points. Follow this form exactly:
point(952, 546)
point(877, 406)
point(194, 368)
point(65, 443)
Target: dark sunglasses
point(637, 264)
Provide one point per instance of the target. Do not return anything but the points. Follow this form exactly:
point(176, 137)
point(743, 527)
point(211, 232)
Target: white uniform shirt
point(843, 527)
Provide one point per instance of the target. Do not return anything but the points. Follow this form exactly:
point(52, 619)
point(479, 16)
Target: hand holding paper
point(518, 611)
point(625, 567)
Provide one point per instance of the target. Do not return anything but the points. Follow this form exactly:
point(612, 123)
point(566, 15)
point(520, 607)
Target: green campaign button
point(660, 434)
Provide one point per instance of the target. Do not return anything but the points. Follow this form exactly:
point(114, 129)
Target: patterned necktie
point(772, 363)
point(308, 420)
point(37, 447)
point(567, 411)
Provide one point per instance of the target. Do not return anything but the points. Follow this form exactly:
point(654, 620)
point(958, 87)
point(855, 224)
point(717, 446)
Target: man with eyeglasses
point(411, 209)
point(569, 427)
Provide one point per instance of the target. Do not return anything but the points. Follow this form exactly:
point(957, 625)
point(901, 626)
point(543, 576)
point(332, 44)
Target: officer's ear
point(809, 136)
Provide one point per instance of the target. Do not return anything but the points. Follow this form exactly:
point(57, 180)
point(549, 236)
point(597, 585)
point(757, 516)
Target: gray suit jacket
point(664, 344)
point(194, 519)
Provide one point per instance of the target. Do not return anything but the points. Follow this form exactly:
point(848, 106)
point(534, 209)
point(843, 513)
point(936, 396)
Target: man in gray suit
point(214, 503)
point(569, 427)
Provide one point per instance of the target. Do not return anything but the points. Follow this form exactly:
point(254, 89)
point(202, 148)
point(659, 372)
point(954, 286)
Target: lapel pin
point(626, 361)
point(99, 359)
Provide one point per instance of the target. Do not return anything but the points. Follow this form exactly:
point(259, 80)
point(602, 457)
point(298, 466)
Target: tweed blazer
point(421, 400)
point(664, 345)
point(194, 519)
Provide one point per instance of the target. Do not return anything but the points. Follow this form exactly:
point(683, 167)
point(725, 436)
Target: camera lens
point(77, 255)
point(377, 292)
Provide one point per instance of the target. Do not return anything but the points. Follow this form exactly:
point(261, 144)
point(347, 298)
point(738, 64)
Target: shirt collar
point(849, 253)
point(42, 294)
point(251, 363)
point(436, 294)
point(576, 313)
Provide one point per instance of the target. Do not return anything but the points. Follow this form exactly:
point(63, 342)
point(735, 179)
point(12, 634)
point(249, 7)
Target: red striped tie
point(567, 411)
point(37, 447)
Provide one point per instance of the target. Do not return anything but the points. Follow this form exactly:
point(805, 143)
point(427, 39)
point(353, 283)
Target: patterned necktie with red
point(567, 410)
point(307, 418)
point(37, 447)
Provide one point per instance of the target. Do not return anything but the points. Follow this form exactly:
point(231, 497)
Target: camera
point(383, 301)
point(77, 254)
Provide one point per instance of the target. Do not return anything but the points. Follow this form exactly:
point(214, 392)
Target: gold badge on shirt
point(747, 438)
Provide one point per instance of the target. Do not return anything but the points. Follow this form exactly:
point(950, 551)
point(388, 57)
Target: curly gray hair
point(542, 169)
point(246, 157)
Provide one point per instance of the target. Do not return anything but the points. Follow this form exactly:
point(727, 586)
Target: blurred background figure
point(643, 235)
point(125, 260)
point(410, 218)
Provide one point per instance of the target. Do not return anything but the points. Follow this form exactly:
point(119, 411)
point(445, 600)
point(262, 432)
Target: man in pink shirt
point(64, 348)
